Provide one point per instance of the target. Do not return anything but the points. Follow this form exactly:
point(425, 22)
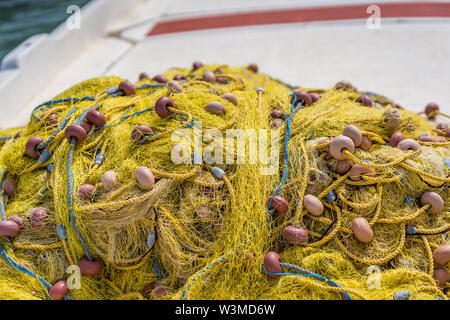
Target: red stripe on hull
point(296, 15)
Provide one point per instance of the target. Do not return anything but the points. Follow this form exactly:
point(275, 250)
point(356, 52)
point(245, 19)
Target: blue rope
point(41, 192)
point(181, 114)
point(286, 152)
point(61, 127)
point(147, 137)
point(156, 268)
point(293, 102)
point(25, 270)
point(115, 92)
point(2, 205)
point(193, 122)
point(70, 187)
point(345, 295)
point(82, 116)
point(51, 102)
point(73, 179)
point(185, 293)
point(125, 116)
point(150, 85)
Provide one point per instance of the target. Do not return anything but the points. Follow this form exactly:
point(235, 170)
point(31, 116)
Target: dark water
point(20, 19)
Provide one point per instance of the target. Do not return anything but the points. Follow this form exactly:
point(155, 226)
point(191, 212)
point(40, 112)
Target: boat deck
point(304, 43)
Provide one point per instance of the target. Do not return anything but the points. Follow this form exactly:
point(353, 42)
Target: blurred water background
point(20, 19)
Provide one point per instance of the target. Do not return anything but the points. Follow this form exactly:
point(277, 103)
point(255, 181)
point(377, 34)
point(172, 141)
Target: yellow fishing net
point(213, 231)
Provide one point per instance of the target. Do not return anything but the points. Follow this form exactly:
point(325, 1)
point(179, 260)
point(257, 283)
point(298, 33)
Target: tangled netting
point(202, 231)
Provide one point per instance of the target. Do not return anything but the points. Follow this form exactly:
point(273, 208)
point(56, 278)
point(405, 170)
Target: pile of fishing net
point(346, 196)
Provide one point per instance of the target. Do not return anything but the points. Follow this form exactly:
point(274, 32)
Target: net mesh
point(212, 234)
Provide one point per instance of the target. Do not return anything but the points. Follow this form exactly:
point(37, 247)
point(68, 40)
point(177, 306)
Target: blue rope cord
point(286, 152)
point(52, 102)
point(115, 92)
point(307, 273)
point(125, 116)
point(73, 179)
point(185, 115)
point(90, 97)
point(150, 85)
point(25, 270)
point(156, 268)
point(147, 137)
point(70, 187)
point(42, 192)
point(304, 271)
point(2, 205)
point(185, 293)
point(180, 114)
point(61, 127)
point(80, 119)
